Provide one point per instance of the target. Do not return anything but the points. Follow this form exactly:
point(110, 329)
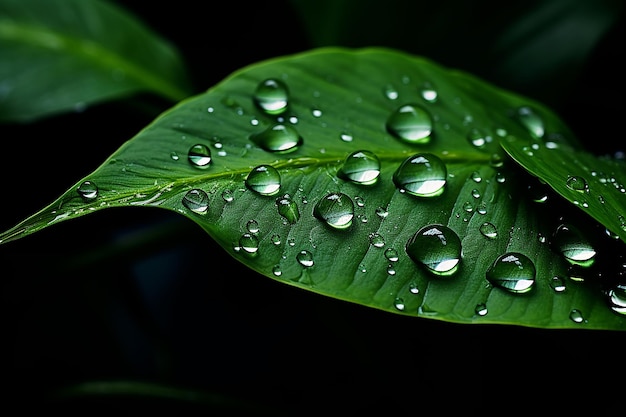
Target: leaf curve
point(62, 55)
point(200, 157)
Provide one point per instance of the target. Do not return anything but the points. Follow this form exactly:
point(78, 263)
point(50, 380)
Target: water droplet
point(391, 254)
point(276, 239)
point(360, 167)
point(428, 92)
point(278, 138)
point(88, 190)
point(476, 177)
point(513, 272)
point(272, 96)
point(617, 299)
point(174, 156)
point(249, 243)
point(411, 123)
point(477, 138)
point(414, 288)
point(228, 196)
point(196, 200)
point(576, 316)
point(252, 226)
point(288, 208)
point(277, 271)
point(305, 258)
point(437, 247)
point(557, 283)
point(381, 212)
point(377, 240)
point(481, 309)
point(577, 183)
point(336, 210)
point(421, 175)
point(531, 121)
point(346, 137)
point(488, 230)
point(199, 155)
point(398, 303)
point(264, 180)
point(573, 246)
point(390, 92)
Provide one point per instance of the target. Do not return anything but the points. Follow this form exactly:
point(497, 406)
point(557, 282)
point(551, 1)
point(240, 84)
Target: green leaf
point(61, 55)
point(339, 102)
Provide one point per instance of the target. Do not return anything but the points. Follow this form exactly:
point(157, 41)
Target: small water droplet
point(576, 316)
point(398, 303)
point(617, 299)
point(414, 288)
point(264, 180)
point(228, 196)
point(421, 175)
point(249, 243)
point(572, 244)
point(197, 201)
point(531, 121)
point(336, 210)
point(199, 155)
point(279, 138)
point(390, 92)
point(577, 183)
point(305, 258)
point(277, 271)
point(377, 240)
point(428, 92)
point(88, 190)
point(346, 137)
point(360, 167)
point(272, 96)
point(513, 272)
point(481, 309)
point(288, 208)
point(252, 226)
point(477, 138)
point(276, 239)
point(557, 283)
point(437, 247)
point(411, 123)
point(488, 230)
point(391, 254)
point(174, 156)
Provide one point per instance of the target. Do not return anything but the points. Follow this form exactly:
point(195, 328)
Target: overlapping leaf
point(339, 102)
point(64, 55)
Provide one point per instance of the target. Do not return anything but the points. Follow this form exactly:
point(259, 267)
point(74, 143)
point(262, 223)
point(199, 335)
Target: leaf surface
point(62, 55)
point(340, 103)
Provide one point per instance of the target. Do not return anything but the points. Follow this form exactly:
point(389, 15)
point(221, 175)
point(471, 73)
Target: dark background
point(142, 294)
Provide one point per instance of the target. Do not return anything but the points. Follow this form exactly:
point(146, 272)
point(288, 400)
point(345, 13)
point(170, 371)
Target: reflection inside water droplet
point(513, 272)
point(197, 201)
point(88, 190)
point(411, 123)
point(264, 180)
point(279, 138)
point(437, 247)
point(199, 155)
point(271, 96)
point(336, 210)
point(288, 208)
point(360, 167)
point(421, 175)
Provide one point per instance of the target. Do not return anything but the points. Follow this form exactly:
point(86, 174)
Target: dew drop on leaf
point(477, 138)
point(391, 254)
point(437, 247)
point(398, 303)
point(196, 200)
point(481, 309)
point(421, 175)
point(252, 226)
point(305, 258)
point(199, 155)
point(617, 298)
point(488, 230)
point(288, 208)
point(573, 245)
point(249, 243)
point(377, 240)
point(336, 210)
point(264, 180)
point(88, 190)
point(577, 183)
point(576, 316)
point(557, 283)
point(271, 96)
point(279, 138)
point(428, 92)
point(360, 167)
point(513, 272)
point(411, 123)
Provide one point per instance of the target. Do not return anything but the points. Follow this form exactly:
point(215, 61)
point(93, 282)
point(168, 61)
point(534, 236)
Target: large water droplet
point(421, 175)
point(249, 243)
point(288, 208)
point(279, 138)
point(336, 210)
point(88, 190)
point(577, 183)
point(513, 272)
point(437, 247)
point(264, 180)
point(196, 200)
point(361, 167)
point(271, 96)
point(573, 245)
point(411, 123)
point(531, 121)
point(617, 299)
point(199, 155)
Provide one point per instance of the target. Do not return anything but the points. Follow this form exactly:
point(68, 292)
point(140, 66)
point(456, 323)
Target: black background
point(142, 294)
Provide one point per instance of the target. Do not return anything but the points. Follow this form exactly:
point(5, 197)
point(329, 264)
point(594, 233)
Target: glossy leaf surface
point(366, 175)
